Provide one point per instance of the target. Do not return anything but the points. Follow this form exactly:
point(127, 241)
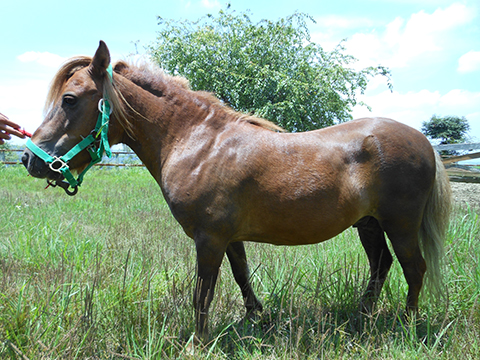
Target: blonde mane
point(154, 80)
point(148, 76)
point(67, 70)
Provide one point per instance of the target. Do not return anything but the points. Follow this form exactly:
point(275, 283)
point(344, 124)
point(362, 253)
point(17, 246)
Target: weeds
point(109, 274)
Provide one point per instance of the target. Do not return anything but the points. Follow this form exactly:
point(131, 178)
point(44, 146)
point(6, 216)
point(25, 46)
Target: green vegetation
point(270, 69)
point(108, 274)
point(447, 129)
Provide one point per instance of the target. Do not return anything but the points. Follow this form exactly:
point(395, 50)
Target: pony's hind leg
point(373, 241)
point(238, 262)
point(408, 252)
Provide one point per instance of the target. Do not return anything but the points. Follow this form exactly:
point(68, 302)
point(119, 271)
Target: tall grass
point(109, 274)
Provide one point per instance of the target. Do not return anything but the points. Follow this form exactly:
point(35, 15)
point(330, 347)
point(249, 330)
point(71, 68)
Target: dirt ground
point(464, 193)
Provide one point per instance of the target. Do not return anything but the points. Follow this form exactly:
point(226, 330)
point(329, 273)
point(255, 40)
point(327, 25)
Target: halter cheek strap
point(96, 144)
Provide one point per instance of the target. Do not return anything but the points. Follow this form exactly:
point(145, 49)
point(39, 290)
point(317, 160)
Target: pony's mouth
point(38, 168)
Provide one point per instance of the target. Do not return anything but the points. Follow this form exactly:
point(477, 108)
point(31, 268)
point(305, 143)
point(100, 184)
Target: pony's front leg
point(210, 254)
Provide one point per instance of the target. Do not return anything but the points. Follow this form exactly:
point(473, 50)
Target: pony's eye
point(69, 100)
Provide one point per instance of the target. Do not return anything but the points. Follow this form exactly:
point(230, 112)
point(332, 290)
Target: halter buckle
point(54, 165)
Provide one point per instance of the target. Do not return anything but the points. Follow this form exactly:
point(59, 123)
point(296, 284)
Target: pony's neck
point(158, 123)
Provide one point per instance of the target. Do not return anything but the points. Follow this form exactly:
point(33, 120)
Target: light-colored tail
point(435, 225)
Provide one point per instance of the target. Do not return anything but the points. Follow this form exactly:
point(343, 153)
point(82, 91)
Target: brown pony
point(229, 178)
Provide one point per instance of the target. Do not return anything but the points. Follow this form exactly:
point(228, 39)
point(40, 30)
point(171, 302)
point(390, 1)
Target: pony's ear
point(101, 60)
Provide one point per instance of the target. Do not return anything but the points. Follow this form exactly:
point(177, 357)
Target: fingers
point(8, 127)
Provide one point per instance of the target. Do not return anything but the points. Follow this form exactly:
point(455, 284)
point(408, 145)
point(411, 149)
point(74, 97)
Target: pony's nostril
point(25, 159)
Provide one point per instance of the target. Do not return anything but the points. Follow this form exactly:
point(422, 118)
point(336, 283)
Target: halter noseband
point(96, 144)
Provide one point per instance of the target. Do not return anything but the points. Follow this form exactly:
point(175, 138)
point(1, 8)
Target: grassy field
point(109, 274)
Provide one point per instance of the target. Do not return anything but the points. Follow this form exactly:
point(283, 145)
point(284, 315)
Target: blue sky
point(432, 47)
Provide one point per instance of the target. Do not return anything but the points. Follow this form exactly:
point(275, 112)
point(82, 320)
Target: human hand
point(8, 127)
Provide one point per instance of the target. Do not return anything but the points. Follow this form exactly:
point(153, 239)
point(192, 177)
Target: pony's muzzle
point(38, 168)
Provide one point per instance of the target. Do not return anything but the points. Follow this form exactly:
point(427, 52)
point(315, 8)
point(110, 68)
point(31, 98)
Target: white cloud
point(402, 42)
point(22, 100)
point(469, 62)
point(42, 58)
point(209, 4)
point(412, 108)
point(461, 98)
point(416, 2)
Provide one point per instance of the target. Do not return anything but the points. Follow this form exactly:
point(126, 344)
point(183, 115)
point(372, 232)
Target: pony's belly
point(298, 235)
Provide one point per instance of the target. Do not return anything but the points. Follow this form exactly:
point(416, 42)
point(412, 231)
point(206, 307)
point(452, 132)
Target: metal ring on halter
point(100, 107)
point(57, 160)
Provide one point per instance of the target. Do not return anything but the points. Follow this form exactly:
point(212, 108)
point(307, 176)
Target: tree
point(270, 69)
point(448, 129)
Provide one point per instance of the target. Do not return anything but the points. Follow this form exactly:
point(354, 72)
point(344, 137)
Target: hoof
point(366, 306)
point(190, 349)
point(254, 315)
point(194, 346)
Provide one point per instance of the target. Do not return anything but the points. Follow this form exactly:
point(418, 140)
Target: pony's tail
point(435, 225)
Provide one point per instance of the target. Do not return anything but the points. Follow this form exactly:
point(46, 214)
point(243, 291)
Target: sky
point(432, 47)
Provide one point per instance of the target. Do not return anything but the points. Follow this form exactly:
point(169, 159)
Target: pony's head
point(72, 109)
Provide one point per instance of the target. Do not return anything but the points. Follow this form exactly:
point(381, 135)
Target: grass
point(109, 274)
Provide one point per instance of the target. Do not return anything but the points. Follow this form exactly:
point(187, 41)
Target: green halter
point(96, 144)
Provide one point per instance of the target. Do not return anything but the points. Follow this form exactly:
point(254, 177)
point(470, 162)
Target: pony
point(228, 177)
